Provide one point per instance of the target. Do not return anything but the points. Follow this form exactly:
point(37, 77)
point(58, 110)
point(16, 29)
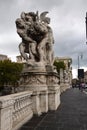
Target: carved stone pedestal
point(36, 103)
point(44, 85)
point(44, 101)
point(53, 91)
point(36, 48)
point(53, 99)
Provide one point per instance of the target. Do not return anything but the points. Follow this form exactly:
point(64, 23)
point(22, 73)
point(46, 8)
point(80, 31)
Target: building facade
point(3, 57)
point(65, 75)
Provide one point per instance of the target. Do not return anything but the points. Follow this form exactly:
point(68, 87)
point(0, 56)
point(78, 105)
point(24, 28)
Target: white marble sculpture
point(38, 74)
point(37, 38)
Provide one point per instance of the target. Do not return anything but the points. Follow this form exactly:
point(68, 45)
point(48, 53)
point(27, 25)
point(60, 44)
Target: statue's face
point(41, 27)
point(20, 23)
point(28, 18)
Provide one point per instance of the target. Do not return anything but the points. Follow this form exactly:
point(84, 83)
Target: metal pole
point(78, 62)
point(86, 27)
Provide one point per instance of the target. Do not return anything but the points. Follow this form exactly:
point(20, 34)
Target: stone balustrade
point(41, 95)
point(15, 110)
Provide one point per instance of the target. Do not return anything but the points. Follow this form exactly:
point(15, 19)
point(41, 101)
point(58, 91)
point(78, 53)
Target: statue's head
point(33, 15)
point(40, 27)
point(19, 23)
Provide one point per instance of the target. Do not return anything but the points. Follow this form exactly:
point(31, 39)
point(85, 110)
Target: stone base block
point(53, 99)
point(64, 87)
point(40, 102)
point(43, 82)
point(44, 101)
point(36, 103)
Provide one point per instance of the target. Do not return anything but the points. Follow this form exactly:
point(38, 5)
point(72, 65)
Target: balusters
point(21, 107)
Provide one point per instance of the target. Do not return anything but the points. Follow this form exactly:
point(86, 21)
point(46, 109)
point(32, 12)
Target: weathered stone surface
point(39, 77)
point(6, 107)
point(15, 110)
point(39, 74)
point(37, 38)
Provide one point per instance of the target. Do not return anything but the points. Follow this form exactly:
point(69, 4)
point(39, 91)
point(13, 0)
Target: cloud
point(67, 22)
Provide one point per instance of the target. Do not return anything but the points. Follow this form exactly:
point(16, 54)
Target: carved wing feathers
point(43, 15)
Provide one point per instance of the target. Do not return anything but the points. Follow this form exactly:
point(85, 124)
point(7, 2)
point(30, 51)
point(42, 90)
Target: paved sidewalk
point(71, 114)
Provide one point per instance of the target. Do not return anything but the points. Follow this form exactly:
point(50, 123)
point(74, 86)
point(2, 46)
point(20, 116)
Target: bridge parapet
point(15, 110)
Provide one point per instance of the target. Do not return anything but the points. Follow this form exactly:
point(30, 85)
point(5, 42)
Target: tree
point(59, 65)
point(9, 72)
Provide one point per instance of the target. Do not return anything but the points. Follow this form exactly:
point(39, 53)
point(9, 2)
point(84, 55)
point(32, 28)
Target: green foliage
point(59, 65)
point(9, 72)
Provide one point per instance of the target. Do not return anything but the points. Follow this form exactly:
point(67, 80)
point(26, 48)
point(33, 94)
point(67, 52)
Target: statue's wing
point(43, 15)
point(44, 18)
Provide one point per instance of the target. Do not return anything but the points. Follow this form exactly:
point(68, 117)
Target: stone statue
point(38, 75)
point(37, 38)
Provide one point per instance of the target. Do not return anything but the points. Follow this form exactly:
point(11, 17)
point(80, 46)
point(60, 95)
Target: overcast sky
point(67, 22)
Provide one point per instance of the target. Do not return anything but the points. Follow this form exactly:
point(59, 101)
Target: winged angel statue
point(37, 38)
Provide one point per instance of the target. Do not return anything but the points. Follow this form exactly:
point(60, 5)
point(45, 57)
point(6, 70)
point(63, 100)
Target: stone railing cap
point(6, 101)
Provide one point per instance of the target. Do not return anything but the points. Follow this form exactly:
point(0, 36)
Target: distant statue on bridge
point(37, 38)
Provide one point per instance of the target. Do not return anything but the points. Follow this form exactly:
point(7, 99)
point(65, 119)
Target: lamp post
point(79, 57)
point(86, 26)
point(78, 62)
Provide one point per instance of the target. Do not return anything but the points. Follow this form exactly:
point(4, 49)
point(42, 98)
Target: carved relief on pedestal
point(52, 80)
point(33, 80)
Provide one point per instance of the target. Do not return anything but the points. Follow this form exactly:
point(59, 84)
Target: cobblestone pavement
point(70, 115)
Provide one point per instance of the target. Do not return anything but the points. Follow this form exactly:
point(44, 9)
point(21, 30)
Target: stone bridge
point(16, 109)
point(39, 81)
